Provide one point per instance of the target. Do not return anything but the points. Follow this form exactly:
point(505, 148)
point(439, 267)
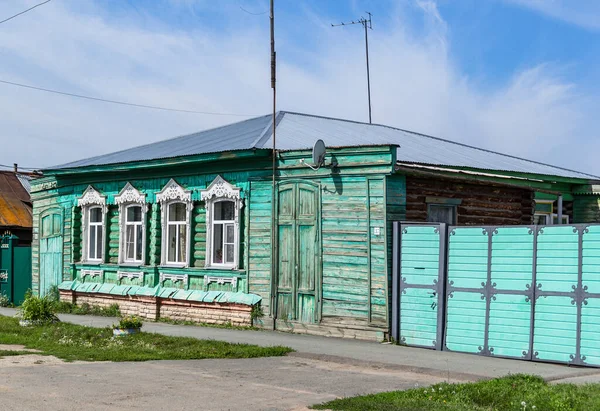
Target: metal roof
point(15, 203)
point(300, 131)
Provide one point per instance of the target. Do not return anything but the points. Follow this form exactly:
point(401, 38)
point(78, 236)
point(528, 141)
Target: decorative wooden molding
point(220, 188)
point(4, 275)
point(173, 191)
point(220, 280)
point(130, 194)
point(90, 197)
point(92, 273)
point(173, 277)
point(130, 275)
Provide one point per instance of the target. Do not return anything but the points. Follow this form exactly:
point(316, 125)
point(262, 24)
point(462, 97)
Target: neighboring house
point(183, 228)
point(15, 205)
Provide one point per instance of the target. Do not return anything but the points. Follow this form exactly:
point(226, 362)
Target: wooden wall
point(586, 209)
point(482, 204)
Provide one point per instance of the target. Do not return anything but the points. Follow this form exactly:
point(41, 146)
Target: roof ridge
point(446, 141)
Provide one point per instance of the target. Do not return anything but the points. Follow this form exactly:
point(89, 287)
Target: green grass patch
point(86, 309)
point(516, 392)
point(228, 326)
point(12, 353)
point(74, 342)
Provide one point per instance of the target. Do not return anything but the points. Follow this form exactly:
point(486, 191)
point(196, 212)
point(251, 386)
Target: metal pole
point(274, 155)
point(559, 213)
point(367, 53)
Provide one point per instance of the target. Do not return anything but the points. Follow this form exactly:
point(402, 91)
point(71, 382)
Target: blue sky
point(517, 76)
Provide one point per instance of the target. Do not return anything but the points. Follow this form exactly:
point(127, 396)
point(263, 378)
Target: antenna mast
point(274, 154)
point(367, 25)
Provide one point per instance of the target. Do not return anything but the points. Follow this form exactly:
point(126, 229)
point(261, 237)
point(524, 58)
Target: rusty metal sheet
point(15, 203)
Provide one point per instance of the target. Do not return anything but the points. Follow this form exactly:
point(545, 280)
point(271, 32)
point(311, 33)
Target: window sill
point(98, 262)
point(173, 266)
point(221, 268)
point(131, 264)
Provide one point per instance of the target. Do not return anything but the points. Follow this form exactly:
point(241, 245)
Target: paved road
point(320, 370)
point(282, 383)
point(438, 363)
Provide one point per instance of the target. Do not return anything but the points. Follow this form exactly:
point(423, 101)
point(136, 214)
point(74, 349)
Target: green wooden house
point(186, 228)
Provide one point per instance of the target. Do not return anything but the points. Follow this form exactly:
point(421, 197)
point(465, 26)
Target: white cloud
point(584, 13)
point(415, 85)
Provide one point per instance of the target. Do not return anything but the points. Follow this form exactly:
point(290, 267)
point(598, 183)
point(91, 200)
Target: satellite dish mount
point(318, 157)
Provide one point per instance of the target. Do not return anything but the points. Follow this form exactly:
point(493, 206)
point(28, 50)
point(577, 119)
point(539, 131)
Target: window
point(132, 224)
point(176, 209)
point(541, 219)
point(177, 233)
point(93, 205)
point(441, 213)
point(223, 204)
point(133, 234)
point(95, 234)
point(223, 230)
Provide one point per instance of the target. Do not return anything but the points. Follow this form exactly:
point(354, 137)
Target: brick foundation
point(153, 308)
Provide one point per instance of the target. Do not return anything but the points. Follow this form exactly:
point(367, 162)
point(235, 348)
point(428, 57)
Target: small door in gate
point(51, 251)
point(419, 277)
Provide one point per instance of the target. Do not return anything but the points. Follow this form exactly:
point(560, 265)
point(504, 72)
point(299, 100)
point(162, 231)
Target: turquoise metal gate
point(490, 291)
point(419, 285)
point(528, 292)
point(15, 269)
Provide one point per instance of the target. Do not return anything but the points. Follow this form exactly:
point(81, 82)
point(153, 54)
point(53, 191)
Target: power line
point(123, 103)
point(20, 168)
point(25, 11)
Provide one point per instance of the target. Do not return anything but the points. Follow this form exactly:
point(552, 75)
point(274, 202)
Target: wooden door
point(51, 253)
point(298, 269)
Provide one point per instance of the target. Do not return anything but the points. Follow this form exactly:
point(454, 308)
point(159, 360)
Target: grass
point(516, 392)
point(228, 326)
point(8, 353)
point(74, 342)
point(64, 307)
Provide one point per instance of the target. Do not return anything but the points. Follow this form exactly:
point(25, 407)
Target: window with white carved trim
point(133, 234)
point(95, 234)
point(176, 210)
point(223, 205)
point(93, 206)
point(176, 233)
point(132, 224)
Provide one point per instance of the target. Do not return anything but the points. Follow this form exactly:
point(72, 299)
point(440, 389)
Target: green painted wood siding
point(586, 209)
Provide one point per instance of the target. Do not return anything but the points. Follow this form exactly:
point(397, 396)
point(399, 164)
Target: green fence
point(529, 292)
point(15, 269)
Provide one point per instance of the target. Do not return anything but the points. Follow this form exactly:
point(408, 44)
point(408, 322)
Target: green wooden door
point(51, 246)
point(298, 252)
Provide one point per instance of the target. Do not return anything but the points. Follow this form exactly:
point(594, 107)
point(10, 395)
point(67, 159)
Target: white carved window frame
point(130, 196)
point(92, 198)
point(220, 190)
point(170, 194)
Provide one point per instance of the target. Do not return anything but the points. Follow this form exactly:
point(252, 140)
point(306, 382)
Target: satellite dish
point(318, 153)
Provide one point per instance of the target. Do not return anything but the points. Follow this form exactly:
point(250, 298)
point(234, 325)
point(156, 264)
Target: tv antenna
point(367, 25)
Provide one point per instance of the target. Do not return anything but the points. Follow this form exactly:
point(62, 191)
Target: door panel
point(298, 252)
point(51, 253)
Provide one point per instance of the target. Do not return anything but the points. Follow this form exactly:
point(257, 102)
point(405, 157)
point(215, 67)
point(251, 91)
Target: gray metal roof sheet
point(300, 131)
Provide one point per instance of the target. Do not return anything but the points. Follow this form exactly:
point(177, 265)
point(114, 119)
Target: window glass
point(92, 245)
point(224, 211)
point(130, 241)
point(438, 213)
point(138, 244)
point(95, 215)
point(98, 242)
point(181, 254)
point(134, 214)
point(171, 243)
point(218, 244)
point(177, 212)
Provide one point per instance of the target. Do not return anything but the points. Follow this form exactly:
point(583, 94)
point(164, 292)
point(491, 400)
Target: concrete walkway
point(353, 352)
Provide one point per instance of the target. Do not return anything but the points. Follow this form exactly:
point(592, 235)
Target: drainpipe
point(560, 209)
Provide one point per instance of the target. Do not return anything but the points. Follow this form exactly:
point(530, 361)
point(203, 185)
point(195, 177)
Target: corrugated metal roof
point(300, 131)
point(25, 181)
point(15, 203)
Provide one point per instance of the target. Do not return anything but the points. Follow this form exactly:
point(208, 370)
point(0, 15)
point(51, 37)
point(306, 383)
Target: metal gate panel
point(511, 291)
point(490, 290)
point(420, 285)
point(467, 273)
point(590, 304)
point(558, 284)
